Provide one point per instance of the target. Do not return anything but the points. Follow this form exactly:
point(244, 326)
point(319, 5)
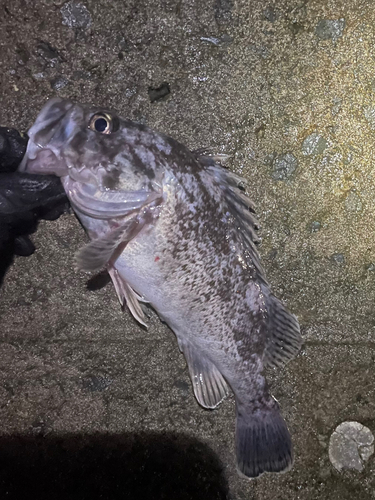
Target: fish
point(174, 228)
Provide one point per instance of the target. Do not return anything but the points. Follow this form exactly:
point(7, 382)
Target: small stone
point(272, 254)
point(296, 28)
point(49, 54)
point(75, 15)
point(123, 44)
point(223, 11)
point(315, 226)
point(129, 92)
point(353, 202)
point(59, 83)
point(158, 93)
point(81, 75)
point(22, 54)
point(53, 2)
point(350, 445)
point(96, 383)
point(348, 159)
point(314, 144)
point(369, 113)
point(284, 166)
point(338, 258)
point(39, 76)
point(269, 159)
point(337, 102)
point(327, 29)
point(259, 50)
point(270, 14)
point(46, 50)
point(220, 41)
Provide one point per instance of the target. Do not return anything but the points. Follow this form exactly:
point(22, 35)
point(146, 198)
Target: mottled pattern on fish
point(175, 229)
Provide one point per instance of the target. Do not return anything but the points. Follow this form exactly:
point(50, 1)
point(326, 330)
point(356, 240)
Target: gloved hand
point(24, 200)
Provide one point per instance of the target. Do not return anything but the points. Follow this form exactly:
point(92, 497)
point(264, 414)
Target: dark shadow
point(98, 281)
point(126, 466)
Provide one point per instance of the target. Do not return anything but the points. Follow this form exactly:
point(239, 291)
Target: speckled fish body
point(173, 228)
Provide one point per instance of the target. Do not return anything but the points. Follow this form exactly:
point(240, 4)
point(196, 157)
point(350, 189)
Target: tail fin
point(263, 442)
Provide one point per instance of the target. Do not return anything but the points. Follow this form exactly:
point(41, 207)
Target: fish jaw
point(48, 137)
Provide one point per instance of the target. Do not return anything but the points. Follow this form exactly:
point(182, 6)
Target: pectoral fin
point(96, 254)
point(107, 248)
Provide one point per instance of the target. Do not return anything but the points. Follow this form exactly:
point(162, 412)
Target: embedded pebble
point(96, 383)
point(39, 76)
point(336, 108)
point(353, 202)
point(338, 258)
point(157, 93)
point(223, 11)
point(314, 144)
point(218, 41)
point(369, 113)
point(81, 75)
point(270, 14)
point(59, 82)
point(328, 29)
point(283, 166)
point(351, 444)
point(75, 15)
point(315, 226)
point(49, 54)
point(53, 2)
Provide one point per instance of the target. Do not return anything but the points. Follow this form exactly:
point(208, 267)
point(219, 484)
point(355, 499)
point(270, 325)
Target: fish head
point(95, 151)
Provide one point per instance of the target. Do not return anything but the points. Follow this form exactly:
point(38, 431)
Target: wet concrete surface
point(288, 90)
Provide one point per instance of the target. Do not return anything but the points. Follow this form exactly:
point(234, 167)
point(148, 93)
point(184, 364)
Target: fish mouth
point(43, 161)
point(54, 127)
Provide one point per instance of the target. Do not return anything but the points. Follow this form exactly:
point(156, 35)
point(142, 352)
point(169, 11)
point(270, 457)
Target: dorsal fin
point(239, 206)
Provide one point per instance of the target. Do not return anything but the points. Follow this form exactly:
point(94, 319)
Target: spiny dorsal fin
point(240, 207)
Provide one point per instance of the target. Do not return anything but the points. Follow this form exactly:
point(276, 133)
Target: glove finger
point(23, 246)
point(12, 148)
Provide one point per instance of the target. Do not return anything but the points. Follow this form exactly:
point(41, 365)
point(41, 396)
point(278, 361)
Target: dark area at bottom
point(106, 466)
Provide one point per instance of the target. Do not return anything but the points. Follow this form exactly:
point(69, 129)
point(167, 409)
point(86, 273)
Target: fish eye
point(102, 123)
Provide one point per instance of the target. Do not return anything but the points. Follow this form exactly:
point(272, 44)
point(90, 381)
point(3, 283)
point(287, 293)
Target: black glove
point(24, 200)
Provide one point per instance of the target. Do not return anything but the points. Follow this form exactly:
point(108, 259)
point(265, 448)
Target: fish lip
point(48, 137)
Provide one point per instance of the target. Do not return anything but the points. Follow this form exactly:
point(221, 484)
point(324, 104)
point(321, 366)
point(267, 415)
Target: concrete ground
point(91, 404)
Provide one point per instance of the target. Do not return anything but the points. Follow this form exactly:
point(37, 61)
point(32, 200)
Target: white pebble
point(350, 445)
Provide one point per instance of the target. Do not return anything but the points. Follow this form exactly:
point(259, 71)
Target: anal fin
point(209, 385)
point(127, 295)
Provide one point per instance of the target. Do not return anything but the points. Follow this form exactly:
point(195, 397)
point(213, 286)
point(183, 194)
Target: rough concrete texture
point(287, 89)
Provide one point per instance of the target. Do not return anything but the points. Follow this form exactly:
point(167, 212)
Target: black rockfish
point(173, 228)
